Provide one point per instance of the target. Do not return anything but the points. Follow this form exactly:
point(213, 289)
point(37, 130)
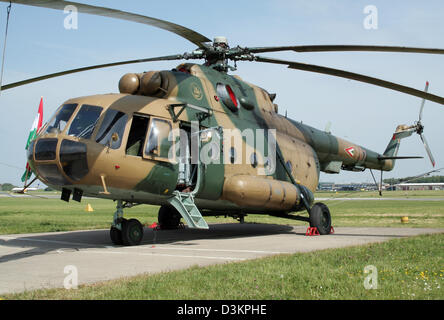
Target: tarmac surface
point(33, 261)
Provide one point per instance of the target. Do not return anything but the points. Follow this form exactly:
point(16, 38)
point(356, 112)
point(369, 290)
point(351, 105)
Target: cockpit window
point(158, 144)
point(61, 118)
point(85, 121)
point(112, 128)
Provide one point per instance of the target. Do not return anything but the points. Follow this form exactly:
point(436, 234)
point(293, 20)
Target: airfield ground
point(44, 212)
point(408, 268)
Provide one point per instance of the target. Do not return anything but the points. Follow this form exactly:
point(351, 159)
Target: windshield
point(85, 121)
point(61, 118)
point(113, 123)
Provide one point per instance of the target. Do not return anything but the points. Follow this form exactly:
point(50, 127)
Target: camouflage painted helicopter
point(118, 146)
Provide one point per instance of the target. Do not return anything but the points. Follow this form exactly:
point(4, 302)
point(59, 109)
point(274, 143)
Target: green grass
point(363, 213)
point(410, 268)
point(28, 215)
point(31, 214)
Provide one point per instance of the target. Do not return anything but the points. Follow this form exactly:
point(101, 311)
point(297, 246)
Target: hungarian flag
point(36, 126)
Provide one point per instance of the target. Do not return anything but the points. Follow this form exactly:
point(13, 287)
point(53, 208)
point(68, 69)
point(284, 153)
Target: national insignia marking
point(196, 91)
point(350, 151)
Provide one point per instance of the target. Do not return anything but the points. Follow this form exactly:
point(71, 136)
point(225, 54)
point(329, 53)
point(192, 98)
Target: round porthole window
point(253, 160)
point(232, 155)
point(268, 165)
point(289, 165)
point(213, 152)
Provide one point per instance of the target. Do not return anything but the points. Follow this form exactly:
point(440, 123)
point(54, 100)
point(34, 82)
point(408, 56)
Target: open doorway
point(187, 178)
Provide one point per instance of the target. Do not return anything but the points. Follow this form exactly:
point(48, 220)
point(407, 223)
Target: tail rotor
point(418, 128)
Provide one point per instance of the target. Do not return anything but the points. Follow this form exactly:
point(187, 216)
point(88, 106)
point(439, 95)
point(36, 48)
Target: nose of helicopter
point(58, 161)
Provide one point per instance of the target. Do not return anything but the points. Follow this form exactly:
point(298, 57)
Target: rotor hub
point(220, 41)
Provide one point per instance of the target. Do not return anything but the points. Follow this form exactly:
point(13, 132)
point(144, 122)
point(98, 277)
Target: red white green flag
point(36, 126)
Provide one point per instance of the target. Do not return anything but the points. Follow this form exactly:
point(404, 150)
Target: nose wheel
point(132, 232)
point(116, 236)
point(123, 231)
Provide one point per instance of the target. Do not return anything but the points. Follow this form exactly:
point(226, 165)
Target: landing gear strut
point(123, 231)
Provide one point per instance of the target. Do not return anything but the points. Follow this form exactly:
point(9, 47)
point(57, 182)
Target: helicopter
point(198, 141)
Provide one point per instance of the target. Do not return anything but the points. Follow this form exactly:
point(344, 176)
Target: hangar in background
point(420, 186)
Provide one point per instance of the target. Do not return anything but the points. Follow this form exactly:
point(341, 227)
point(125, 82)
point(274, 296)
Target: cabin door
point(209, 160)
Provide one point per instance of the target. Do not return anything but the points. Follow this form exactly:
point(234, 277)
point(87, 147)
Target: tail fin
point(402, 131)
point(391, 152)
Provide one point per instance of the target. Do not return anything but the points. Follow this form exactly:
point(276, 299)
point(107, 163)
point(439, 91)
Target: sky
point(38, 43)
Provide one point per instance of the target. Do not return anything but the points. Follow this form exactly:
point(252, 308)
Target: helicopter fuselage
point(121, 146)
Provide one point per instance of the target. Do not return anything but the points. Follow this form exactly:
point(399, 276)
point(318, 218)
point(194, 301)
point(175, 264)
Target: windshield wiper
point(88, 129)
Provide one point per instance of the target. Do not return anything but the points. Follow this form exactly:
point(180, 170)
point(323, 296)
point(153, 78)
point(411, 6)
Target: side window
point(158, 144)
point(112, 128)
point(136, 136)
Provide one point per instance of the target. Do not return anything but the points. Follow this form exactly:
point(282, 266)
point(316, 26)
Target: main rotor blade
point(429, 152)
point(106, 65)
point(331, 48)
point(182, 31)
point(353, 76)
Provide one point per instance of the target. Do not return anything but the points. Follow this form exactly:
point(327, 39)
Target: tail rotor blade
point(423, 101)
point(429, 152)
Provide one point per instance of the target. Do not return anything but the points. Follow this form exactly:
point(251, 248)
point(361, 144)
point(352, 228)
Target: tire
point(132, 232)
point(116, 236)
point(168, 218)
point(320, 218)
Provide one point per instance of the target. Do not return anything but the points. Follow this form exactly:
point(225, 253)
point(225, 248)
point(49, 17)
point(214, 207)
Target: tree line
point(6, 187)
point(432, 179)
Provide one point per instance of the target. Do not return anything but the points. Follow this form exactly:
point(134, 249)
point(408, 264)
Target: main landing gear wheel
point(168, 218)
point(116, 236)
point(132, 232)
point(320, 218)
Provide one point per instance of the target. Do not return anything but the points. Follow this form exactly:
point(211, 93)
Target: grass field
point(33, 214)
point(411, 268)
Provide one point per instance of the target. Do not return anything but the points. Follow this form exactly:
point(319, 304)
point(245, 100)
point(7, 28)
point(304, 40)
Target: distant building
point(326, 186)
point(420, 186)
point(331, 186)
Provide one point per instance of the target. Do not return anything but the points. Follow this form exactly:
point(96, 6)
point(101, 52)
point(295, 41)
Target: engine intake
point(152, 83)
